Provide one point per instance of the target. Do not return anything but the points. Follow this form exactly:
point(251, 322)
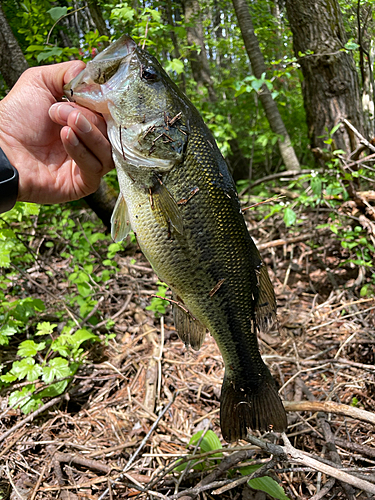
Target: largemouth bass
point(180, 200)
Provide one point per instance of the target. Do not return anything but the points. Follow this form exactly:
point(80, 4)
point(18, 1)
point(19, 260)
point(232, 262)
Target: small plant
point(48, 364)
point(158, 305)
point(45, 359)
point(209, 442)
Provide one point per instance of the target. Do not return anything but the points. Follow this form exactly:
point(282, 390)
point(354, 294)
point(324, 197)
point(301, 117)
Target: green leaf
point(289, 217)
point(35, 48)
point(26, 368)
point(84, 289)
point(57, 368)
point(351, 45)
point(209, 442)
point(257, 84)
point(53, 390)
point(4, 257)
point(49, 52)
point(57, 12)
point(335, 128)
point(125, 13)
point(316, 186)
point(81, 336)
point(175, 65)
point(5, 332)
point(29, 348)
point(16, 396)
point(265, 483)
point(30, 208)
point(45, 328)
point(8, 377)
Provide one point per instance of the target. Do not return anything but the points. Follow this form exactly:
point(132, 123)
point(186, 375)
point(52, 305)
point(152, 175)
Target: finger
point(90, 170)
point(87, 146)
point(92, 138)
point(55, 76)
point(60, 111)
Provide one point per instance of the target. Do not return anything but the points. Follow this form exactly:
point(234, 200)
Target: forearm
point(8, 183)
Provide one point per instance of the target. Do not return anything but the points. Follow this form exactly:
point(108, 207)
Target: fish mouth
point(82, 86)
point(119, 49)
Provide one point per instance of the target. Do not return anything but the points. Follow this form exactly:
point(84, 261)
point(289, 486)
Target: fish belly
point(212, 269)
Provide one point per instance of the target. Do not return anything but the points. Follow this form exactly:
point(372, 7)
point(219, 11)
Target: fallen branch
point(278, 243)
point(70, 458)
point(330, 407)
point(332, 451)
point(291, 454)
point(287, 173)
point(360, 136)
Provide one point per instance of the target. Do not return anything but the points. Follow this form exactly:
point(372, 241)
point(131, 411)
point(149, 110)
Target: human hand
point(59, 149)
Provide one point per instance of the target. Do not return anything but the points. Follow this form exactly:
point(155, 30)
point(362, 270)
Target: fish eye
point(149, 74)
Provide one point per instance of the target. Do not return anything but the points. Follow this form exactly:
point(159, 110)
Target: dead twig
point(291, 454)
point(334, 456)
point(330, 407)
point(360, 136)
point(281, 242)
point(287, 173)
point(70, 458)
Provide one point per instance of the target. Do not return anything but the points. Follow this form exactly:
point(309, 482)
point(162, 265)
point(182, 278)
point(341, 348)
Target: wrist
point(8, 183)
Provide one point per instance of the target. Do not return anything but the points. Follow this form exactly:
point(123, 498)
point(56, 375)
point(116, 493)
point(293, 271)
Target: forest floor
point(107, 426)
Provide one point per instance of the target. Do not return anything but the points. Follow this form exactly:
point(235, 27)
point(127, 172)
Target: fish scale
point(181, 202)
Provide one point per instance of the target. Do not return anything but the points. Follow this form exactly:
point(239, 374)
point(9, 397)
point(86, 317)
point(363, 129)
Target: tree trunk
point(176, 50)
point(12, 60)
point(257, 63)
point(330, 85)
point(97, 17)
point(198, 61)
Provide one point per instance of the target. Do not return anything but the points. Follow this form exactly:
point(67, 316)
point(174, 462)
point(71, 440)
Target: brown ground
point(323, 352)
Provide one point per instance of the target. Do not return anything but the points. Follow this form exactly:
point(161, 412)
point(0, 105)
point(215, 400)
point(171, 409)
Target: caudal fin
point(242, 408)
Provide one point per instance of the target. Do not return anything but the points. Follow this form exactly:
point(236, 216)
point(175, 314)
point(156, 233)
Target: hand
point(59, 149)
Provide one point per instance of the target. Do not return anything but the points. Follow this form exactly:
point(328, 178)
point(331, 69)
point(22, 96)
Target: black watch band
point(8, 183)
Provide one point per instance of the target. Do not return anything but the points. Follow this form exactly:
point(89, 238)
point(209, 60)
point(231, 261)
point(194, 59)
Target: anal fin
point(120, 224)
point(189, 329)
point(265, 308)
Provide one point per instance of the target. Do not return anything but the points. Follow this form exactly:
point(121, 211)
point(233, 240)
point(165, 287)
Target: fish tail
point(252, 407)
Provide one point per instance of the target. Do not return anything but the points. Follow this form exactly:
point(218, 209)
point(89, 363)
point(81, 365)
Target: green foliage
point(158, 305)
point(37, 19)
point(47, 358)
point(209, 442)
point(44, 364)
point(265, 483)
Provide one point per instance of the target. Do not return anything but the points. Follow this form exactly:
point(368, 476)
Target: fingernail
point(63, 111)
point(83, 124)
point(72, 138)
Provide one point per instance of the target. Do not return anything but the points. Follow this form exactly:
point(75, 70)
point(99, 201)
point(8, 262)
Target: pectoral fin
point(120, 224)
point(164, 201)
point(189, 329)
point(265, 309)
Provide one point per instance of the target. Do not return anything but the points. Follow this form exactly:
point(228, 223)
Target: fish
point(177, 195)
